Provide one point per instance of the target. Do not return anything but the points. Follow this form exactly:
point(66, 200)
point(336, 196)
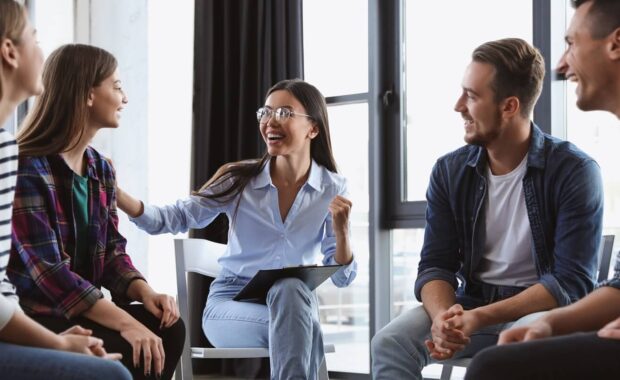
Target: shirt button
point(282, 236)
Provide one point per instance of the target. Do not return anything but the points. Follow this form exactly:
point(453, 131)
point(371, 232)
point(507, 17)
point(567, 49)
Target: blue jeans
point(31, 363)
point(288, 325)
point(398, 350)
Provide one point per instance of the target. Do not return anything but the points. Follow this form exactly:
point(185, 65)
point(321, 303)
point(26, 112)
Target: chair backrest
point(196, 268)
point(604, 256)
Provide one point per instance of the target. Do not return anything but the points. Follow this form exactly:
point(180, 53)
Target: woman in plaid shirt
point(66, 243)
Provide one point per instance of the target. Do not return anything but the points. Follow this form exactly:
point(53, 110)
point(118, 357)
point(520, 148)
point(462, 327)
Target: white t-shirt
point(507, 259)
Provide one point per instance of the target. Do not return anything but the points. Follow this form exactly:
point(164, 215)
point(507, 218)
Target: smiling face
point(585, 62)
point(481, 114)
point(287, 137)
point(105, 103)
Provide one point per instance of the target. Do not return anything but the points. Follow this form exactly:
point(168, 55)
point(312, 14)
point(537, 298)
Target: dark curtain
point(241, 49)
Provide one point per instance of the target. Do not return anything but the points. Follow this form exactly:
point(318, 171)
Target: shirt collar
point(536, 152)
point(263, 179)
point(91, 163)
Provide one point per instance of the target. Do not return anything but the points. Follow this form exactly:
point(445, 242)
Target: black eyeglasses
point(281, 114)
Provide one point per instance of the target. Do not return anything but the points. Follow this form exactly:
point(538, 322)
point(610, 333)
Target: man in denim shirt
point(513, 222)
point(550, 351)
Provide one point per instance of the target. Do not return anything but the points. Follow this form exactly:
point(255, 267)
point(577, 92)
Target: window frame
point(548, 28)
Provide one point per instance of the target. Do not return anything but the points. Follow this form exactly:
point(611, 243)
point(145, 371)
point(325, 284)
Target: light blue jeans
point(288, 325)
point(30, 363)
point(398, 350)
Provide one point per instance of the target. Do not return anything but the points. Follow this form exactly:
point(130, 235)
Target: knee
point(175, 334)
point(290, 290)
point(381, 342)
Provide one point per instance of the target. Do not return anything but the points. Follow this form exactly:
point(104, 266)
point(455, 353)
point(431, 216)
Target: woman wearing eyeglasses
point(284, 209)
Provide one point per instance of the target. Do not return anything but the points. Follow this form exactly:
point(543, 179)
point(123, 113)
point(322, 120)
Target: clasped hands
point(450, 332)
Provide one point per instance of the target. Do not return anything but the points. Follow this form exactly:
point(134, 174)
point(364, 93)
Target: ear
point(91, 98)
point(314, 132)
point(510, 106)
point(8, 53)
point(613, 47)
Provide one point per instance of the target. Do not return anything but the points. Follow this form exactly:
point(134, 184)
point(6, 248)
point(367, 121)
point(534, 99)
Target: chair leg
point(446, 372)
point(323, 375)
point(184, 366)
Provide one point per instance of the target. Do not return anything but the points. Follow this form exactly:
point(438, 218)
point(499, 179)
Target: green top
point(80, 212)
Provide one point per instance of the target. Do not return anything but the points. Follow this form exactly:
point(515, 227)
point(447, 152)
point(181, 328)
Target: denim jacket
point(564, 199)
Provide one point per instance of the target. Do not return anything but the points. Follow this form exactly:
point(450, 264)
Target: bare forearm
point(138, 290)
point(24, 331)
point(130, 205)
point(343, 254)
point(109, 315)
point(590, 313)
point(437, 297)
point(533, 299)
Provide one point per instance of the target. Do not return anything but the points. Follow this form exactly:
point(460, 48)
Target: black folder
point(256, 290)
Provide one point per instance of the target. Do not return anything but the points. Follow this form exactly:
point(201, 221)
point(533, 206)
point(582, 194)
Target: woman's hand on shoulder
point(340, 208)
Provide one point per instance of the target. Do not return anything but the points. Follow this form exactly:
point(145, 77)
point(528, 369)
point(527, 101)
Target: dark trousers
point(172, 338)
point(577, 356)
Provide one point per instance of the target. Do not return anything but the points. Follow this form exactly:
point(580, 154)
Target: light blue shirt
point(259, 239)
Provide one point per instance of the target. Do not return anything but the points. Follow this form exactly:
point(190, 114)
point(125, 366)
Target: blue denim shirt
point(564, 199)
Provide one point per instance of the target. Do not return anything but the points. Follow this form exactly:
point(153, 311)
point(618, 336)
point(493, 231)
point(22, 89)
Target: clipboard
point(256, 290)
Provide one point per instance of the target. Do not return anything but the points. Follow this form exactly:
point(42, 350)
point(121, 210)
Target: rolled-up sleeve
point(439, 257)
point(195, 211)
point(577, 234)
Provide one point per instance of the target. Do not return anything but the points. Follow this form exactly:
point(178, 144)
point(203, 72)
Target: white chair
point(604, 260)
point(200, 256)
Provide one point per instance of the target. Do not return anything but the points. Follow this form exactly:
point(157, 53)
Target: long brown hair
point(60, 114)
point(12, 25)
point(240, 173)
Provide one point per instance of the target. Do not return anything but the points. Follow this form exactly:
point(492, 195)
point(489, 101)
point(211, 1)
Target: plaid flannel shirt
point(44, 227)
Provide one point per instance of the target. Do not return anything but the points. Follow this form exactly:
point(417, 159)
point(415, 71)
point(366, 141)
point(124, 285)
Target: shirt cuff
point(345, 275)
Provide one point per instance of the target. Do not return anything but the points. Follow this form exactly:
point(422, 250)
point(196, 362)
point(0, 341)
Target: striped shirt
point(44, 236)
point(8, 176)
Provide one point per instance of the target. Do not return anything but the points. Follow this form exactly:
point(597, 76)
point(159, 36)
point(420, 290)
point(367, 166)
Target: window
point(336, 62)
point(433, 69)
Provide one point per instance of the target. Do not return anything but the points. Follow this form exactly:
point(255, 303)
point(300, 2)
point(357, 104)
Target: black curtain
point(241, 49)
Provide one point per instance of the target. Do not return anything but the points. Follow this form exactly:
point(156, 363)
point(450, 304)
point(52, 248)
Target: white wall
point(153, 42)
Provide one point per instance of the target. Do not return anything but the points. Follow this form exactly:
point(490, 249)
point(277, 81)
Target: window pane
point(54, 22)
point(434, 69)
point(344, 311)
point(336, 45)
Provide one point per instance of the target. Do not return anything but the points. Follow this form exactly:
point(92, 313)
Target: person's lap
point(576, 356)
point(31, 363)
point(172, 337)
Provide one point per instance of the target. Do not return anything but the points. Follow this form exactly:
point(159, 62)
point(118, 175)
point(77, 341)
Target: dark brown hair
point(60, 114)
point(604, 16)
point(12, 25)
point(240, 173)
point(519, 70)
